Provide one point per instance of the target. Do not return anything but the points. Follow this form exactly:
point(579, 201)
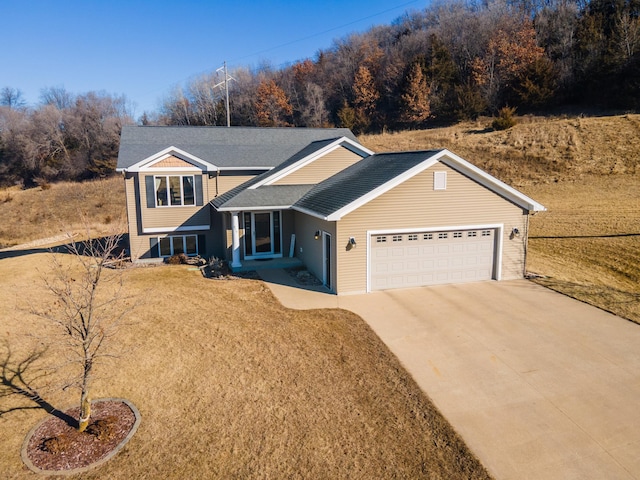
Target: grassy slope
point(537, 150)
point(232, 385)
point(33, 214)
point(586, 171)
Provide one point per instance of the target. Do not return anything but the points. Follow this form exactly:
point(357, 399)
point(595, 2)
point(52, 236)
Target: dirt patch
point(57, 446)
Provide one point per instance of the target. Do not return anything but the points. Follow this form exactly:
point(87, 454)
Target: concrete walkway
point(540, 386)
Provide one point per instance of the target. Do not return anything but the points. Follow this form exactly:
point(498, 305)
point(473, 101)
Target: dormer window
point(174, 190)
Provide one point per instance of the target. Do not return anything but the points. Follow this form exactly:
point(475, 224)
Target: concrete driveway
point(539, 385)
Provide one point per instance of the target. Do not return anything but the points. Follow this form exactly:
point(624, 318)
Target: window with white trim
point(174, 190)
point(176, 244)
point(439, 180)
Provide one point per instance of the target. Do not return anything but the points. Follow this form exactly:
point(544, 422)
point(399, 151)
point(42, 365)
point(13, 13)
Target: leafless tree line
point(65, 136)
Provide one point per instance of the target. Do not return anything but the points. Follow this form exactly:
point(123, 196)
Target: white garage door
point(416, 259)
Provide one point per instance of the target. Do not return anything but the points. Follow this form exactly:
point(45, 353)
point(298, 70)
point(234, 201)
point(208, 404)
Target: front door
point(262, 233)
point(326, 259)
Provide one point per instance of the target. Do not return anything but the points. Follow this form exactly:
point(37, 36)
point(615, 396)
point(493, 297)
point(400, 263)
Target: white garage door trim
point(498, 227)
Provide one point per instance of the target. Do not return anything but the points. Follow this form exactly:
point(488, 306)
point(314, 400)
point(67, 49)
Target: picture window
point(174, 190)
point(176, 244)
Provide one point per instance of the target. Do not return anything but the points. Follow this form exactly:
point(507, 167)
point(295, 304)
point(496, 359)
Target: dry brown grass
point(588, 243)
point(36, 213)
point(536, 150)
point(232, 385)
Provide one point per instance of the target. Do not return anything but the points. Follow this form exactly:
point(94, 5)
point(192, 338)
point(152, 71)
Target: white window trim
point(166, 177)
point(184, 240)
point(184, 228)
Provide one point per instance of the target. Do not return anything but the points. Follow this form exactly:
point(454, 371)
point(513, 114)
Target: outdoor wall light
point(515, 231)
point(352, 241)
point(317, 235)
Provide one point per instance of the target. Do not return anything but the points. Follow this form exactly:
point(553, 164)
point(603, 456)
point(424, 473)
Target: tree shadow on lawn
point(83, 247)
point(16, 379)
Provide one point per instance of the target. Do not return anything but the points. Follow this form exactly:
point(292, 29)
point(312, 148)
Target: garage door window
point(381, 239)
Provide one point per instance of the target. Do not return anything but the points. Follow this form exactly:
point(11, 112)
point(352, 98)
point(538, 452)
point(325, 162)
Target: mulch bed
point(56, 445)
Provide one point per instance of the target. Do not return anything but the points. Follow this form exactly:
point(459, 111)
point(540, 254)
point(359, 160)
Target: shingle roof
point(270, 196)
point(222, 146)
point(358, 180)
point(310, 149)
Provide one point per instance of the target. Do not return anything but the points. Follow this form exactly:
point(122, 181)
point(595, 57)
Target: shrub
point(179, 259)
point(505, 119)
point(103, 429)
point(59, 444)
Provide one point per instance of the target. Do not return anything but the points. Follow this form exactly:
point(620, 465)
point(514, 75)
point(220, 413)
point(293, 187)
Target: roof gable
point(305, 156)
point(311, 153)
point(171, 158)
point(375, 175)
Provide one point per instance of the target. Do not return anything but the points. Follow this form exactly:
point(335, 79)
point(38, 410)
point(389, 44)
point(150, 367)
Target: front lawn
point(232, 385)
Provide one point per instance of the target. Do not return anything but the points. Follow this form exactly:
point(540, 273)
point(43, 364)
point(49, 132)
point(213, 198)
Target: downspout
point(526, 244)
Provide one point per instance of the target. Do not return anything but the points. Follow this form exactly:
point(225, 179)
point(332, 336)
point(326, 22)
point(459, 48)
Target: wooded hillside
point(455, 60)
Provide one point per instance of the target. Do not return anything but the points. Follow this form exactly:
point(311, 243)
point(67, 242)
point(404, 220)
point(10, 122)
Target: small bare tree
point(88, 309)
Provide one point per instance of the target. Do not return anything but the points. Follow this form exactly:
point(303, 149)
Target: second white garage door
point(429, 258)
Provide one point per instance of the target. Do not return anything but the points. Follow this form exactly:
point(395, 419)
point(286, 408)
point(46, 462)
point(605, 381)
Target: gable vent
point(439, 180)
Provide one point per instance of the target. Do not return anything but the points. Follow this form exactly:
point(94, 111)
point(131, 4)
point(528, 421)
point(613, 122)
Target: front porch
point(267, 263)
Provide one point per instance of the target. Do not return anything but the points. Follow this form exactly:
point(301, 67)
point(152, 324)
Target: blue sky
point(142, 49)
